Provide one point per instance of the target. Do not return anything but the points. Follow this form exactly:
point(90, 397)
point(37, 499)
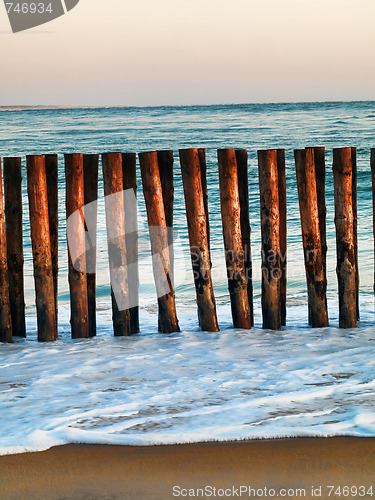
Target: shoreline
point(118, 472)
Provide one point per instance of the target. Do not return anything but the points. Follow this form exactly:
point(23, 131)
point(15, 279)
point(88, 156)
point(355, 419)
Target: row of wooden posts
point(119, 175)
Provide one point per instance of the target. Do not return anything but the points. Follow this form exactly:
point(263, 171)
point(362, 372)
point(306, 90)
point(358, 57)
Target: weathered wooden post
point(346, 265)
point(5, 314)
point(320, 175)
point(231, 219)
point(90, 174)
point(372, 162)
point(355, 226)
point(196, 213)
point(13, 218)
point(165, 162)
point(309, 212)
point(41, 244)
point(158, 229)
point(203, 169)
point(53, 214)
point(115, 217)
point(76, 236)
point(129, 163)
point(243, 190)
point(270, 228)
point(283, 231)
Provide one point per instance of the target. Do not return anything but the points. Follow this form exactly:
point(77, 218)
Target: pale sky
point(154, 52)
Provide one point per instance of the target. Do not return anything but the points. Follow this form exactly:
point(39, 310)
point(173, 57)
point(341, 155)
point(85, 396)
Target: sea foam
point(190, 386)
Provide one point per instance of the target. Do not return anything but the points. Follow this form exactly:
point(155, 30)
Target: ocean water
point(194, 386)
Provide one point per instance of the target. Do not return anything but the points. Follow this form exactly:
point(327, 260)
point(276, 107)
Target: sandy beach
point(271, 468)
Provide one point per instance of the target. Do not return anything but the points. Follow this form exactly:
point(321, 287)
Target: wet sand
point(123, 472)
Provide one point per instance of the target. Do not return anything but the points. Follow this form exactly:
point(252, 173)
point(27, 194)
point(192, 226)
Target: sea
point(193, 386)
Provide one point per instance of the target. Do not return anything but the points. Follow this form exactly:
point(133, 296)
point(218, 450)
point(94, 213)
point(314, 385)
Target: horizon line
point(119, 106)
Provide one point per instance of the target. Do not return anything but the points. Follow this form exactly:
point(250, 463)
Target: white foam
point(188, 387)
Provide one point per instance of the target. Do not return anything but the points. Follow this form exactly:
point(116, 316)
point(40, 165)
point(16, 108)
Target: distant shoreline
point(119, 472)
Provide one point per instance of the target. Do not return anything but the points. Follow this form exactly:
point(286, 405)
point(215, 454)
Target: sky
point(177, 52)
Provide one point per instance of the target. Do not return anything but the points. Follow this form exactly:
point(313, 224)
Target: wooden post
point(53, 214)
point(243, 189)
point(346, 265)
point(165, 162)
point(270, 226)
point(75, 202)
point(196, 213)
point(283, 232)
point(373, 199)
point(129, 171)
point(203, 169)
point(231, 219)
point(115, 217)
point(355, 226)
point(309, 212)
point(153, 194)
point(90, 174)
point(320, 175)
point(5, 314)
point(41, 244)
point(13, 218)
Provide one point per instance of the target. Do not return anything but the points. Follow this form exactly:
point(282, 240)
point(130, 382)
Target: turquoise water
point(252, 126)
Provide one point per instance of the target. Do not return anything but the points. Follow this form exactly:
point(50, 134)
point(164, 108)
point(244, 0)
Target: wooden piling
point(5, 313)
point(283, 232)
point(53, 215)
point(192, 161)
point(75, 202)
point(231, 219)
point(320, 176)
point(129, 171)
point(165, 162)
point(115, 217)
point(203, 169)
point(41, 245)
point(270, 228)
point(309, 212)
point(13, 219)
point(243, 190)
point(153, 194)
point(346, 264)
point(355, 226)
point(90, 174)
point(372, 163)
